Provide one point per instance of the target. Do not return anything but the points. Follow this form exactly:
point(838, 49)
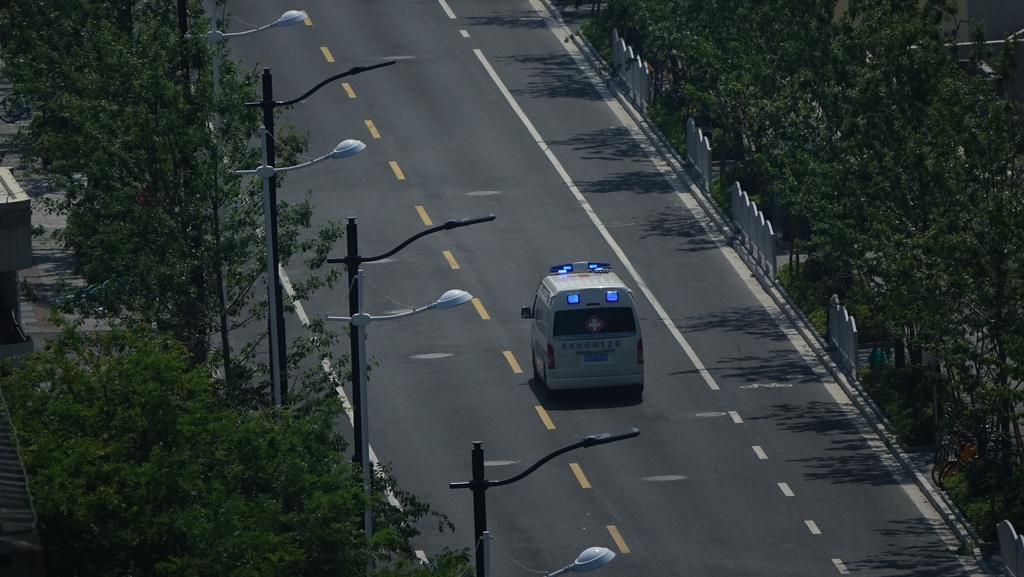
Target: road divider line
point(481, 310)
point(662, 314)
point(813, 527)
point(308, 21)
point(398, 171)
point(423, 215)
point(451, 259)
point(735, 417)
point(465, 33)
point(447, 10)
point(839, 565)
point(512, 362)
point(579, 475)
point(618, 539)
point(373, 129)
point(545, 418)
point(786, 490)
point(327, 54)
point(760, 453)
point(348, 89)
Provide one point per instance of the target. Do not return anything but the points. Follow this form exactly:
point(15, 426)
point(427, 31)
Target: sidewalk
point(52, 273)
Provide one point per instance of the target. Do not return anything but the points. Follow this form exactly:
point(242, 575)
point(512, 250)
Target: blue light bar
point(573, 298)
point(561, 268)
point(591, 267)
point(611, 296)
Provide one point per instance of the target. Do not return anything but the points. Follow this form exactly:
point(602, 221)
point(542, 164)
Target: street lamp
point(480, 484)
point(352, 261)
point(588, 560)
point(267, 172)
point(216, 37)
point(449, 299)
point(278, 347)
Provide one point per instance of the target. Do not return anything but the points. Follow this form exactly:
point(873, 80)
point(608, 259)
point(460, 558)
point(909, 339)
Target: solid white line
point(786, 490)
point(839, 565)
point(735, 417)
point(597, 222)
point(760, 453)
point(447, 10)
point(813, 527)
point(287, 284)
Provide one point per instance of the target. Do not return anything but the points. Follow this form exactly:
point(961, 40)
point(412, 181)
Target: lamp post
point(278, 347)
point(480, 484)
point(588, 560)
point(352, 261)
point(449, 299)
point(216, 37)
point(267, 172)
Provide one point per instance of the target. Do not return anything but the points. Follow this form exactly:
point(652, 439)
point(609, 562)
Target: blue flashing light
point(611, 296)
point(561, 268)
point(595, 266)
point(573, 298)
point(591, 267)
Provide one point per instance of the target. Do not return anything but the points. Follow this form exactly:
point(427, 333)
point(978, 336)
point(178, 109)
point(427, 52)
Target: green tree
point(138, 465)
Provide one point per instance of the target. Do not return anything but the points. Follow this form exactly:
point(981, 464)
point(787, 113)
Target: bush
point(905, 399)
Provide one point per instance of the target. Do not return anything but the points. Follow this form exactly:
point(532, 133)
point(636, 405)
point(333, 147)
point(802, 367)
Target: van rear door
point(595, 341)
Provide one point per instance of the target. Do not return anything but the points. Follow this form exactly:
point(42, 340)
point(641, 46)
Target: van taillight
point(551, 357)
point(640, 352)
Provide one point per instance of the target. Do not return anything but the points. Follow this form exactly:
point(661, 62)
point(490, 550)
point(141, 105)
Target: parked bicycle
point(14, 108)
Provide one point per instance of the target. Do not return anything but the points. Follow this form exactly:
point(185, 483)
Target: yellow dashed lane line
point(423, 215)
point(512, 362)
point(545, 418)
point(579, 475)
point(451, 260)
point(327, 54)
point(348, 89)
point(373, 129)
point(481, 310)
point(618, 539)
point(308, 21)
point(398, 171)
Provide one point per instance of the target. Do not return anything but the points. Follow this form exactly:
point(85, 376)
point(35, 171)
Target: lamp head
point(592, 559)
point(347, 148)
point(290, 17)
point(453, 298)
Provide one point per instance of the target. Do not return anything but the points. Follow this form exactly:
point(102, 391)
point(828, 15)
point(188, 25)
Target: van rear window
point(594, 323)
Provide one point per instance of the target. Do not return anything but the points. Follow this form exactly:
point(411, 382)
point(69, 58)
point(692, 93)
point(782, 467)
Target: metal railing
point(842, 332)
point(632, 69)
point(755, 230)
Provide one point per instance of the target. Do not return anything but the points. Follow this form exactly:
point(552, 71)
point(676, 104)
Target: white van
point(586, 332)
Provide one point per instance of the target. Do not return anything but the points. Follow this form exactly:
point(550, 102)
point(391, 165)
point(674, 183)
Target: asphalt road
point(772, 473)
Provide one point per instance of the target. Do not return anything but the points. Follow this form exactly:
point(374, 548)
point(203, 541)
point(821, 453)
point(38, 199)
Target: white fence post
point(842, 330)
point(755, 229)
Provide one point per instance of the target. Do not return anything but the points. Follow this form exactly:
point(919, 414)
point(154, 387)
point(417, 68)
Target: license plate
point(595, 357)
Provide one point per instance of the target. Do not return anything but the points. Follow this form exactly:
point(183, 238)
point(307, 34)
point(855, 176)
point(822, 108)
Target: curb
point(953, 518)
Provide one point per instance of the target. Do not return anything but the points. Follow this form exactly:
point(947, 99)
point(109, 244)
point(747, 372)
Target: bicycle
point(13, 108)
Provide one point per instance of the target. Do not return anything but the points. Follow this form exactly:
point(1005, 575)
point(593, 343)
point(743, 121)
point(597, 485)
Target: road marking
point(545, 418)
point(579, 475)
point(760, 453)
point(512, 362)
point(423, 215)
point(348, 89)
point(735, 417)
point(481, 310)
point(373, 129)
point(308, 21)
point(839, 565)
point(447, 10)
point(327, 54)
point(813, 527)
point(786, 490)
point(464, 33)
point(451, 259)
point(398, 172)
point(669, 323)
point(618, 539)
point(422, 556)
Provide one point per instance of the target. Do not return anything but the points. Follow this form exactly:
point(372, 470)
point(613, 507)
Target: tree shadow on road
point(553, 76)
point(914, 550)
